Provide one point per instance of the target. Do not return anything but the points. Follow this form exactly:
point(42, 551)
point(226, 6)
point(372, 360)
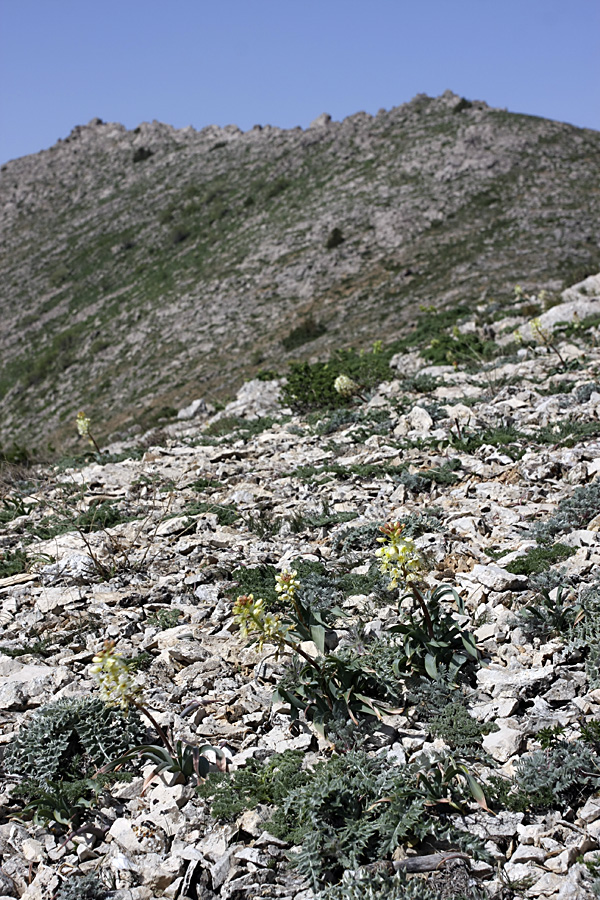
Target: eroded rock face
point(196, 507)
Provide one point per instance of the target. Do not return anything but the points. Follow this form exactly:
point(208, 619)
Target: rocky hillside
point(449, 735)
point(144, 268)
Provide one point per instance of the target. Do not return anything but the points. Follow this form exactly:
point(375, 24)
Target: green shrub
point(334, 239)
point(164, 618)
point(458, 728)
point(142, 153)
point(308, 330)
point(505, 437)
point(459, 349)
point(257, 580)
point(539, 559)
point(230, 795)
point(13, 562)
point(310, 385)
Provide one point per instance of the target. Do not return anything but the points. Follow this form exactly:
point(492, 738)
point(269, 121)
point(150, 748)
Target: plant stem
point(162, 734)
point(421, 601)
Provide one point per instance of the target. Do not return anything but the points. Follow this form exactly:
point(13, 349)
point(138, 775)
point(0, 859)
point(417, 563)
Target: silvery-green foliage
point(585, 633)
point(573, 512)
point(82, 887)
point(583, 392)
point(377, 886)
point(70, 730)
point(356, 809)
point(563, 775)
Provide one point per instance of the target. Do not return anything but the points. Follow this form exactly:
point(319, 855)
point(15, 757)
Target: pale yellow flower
point(398, 558)
point(83, 424)
point(110, 670)
point(286, 584)
point(345, 386)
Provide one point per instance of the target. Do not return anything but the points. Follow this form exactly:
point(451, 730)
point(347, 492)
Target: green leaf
point(470, 645)
point(430, 666)
point(477, 791)
point(317, 633)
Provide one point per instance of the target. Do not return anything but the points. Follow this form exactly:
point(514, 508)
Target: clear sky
point(283, 62)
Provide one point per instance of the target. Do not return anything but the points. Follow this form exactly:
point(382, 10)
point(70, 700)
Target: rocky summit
point(141, 268)
point(339, 639)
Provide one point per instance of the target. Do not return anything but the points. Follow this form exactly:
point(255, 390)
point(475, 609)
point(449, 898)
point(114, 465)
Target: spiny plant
point(82, 887)
point(256, 783)
point(584, 633)
point(356, 809)
point(565, 774)
point(374, 885)
point(72, 737)
point(573, 512)
point(165, 618)
point(61, 752)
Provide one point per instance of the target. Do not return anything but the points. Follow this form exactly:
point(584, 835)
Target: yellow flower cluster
point(539, 331)
point(399, 557)
point(251, 616)
point(83, 424)
point(113, 676)
point(345, 386)
point(287, 584)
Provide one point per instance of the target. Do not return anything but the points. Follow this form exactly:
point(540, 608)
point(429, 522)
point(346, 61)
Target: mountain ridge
point(144, 268)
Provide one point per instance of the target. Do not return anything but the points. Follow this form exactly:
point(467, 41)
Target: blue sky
point(283, 62)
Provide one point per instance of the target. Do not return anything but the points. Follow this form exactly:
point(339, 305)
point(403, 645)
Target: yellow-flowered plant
point(439, 636)
point(544, 336)
point(117, 687)
point(345, 386)
point(83, 429)
point(109, 669)
point(255, 622)
point(398, 557)
point(325, 686)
